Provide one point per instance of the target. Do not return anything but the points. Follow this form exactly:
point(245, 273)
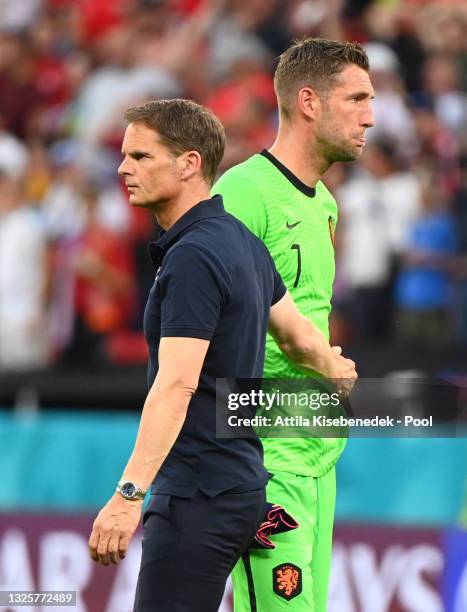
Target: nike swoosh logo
point(292, 225)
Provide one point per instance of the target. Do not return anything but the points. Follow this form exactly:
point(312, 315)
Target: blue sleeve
point(279, 289)
point(192, 293)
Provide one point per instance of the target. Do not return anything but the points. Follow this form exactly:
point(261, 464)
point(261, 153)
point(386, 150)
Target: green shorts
point(294, 576)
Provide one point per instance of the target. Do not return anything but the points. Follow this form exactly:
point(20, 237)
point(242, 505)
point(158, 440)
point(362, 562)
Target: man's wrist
point(326, 364)
point(122, 500)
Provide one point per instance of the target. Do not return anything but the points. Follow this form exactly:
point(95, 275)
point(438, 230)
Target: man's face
point(345, 114)
point(150, 170)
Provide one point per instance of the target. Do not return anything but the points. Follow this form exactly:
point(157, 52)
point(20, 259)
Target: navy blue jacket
point(216, 281)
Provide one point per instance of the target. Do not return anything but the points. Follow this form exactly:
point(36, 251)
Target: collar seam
point(289, 175)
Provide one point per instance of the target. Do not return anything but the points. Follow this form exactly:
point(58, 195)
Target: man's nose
point(368, 119)
point(123, 168)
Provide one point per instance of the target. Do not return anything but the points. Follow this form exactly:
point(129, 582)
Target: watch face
point(128, 489)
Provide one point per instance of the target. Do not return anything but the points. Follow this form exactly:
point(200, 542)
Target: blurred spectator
point(377, 205)
point(16, 16)
point(62, 207)
point(69, 68)
point(439, 146)
point(460, 264)
point(319, 18)
point(392, 114)
point(13, 154)
point(425, 289)
point(23, 280)
point(116, 83)
point(244, 104)
point(234, 37)
point(62, 202)
point(441, 26)
point(442, 84)
point(38, 174)
point(101, 268)
point(21, 98)
point(268, 19)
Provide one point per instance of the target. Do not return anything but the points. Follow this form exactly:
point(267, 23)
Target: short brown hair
point(313, 62)
point(183, 126)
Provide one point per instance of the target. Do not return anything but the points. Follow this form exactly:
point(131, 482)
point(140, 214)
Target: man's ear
point(191, 164)
point(308, 102)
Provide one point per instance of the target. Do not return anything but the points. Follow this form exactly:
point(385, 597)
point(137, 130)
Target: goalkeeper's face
point(345, 113)
point(152, 173)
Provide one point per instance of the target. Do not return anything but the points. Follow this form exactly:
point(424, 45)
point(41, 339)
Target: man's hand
point(113, 529)
point(344, 373)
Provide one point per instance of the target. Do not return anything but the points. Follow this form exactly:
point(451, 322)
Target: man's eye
point(360, 97)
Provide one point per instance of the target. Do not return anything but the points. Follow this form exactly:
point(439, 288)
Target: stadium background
point(74, 271)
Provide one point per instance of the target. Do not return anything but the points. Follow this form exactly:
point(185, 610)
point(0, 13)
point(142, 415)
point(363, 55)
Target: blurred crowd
point(74, 273)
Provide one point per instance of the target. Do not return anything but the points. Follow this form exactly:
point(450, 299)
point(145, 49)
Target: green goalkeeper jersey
point(296, 223)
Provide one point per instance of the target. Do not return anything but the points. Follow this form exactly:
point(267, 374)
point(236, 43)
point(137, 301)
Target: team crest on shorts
point(287, 580)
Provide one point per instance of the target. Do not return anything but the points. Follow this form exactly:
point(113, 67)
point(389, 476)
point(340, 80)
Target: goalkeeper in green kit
point(324, 95)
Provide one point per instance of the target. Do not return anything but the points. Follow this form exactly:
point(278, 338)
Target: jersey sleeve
point(279, 288)
point(243, 199)
point(192, 294)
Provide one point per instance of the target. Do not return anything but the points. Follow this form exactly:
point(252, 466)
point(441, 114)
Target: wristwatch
point(129, 490)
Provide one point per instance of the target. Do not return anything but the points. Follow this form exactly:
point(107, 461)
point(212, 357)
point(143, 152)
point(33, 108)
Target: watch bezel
point(135, 492)
point(128, 490)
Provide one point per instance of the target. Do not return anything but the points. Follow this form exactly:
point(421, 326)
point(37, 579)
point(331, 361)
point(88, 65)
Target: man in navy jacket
point(215, 293)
